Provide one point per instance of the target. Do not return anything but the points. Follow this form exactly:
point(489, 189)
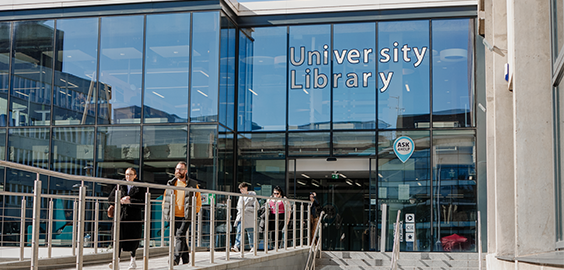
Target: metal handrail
point(79, 209)
point(315, 247)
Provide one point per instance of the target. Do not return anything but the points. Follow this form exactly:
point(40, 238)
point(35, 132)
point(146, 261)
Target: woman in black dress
point(131, 217)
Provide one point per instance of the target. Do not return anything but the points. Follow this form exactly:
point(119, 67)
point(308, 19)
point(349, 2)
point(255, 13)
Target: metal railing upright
point(89, 208)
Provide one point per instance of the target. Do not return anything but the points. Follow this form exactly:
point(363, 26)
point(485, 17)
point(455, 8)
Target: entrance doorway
point(346, 191)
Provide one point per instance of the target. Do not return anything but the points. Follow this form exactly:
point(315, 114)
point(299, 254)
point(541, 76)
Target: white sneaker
point(111, 266)
point(252, 250)
point(132, 264)
point(235, 249)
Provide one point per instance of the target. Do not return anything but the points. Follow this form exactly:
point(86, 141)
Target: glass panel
point(310, 74)
point(354, 91)
point(403, 74)
point(454, 190)
point(5, 43)
point(406, 186)
point(75, 71)
point(262, 79)
point(166, 75)
point(309, 144)
point(29, 146)
point(117, 150)
point(32, 67)
point(453, 73)
point(163, 148)
point(205, 67)
point(119, 91)
point(227, 70)
point(73, 150)
point(557, 27)
point(226, 159)
point(560, 166)
point(354, 143)
point(2, 145)
point(203, 159)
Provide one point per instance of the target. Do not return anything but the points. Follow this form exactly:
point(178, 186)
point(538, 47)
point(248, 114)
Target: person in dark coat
point(131, 217)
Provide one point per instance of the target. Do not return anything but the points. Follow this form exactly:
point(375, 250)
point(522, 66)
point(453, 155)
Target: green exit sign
point(335, 176)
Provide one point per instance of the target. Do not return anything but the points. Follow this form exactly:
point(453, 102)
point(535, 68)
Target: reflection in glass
point(203, 145)
point(354, 143)
point(121, 55)
point(406, 186)
point(166, 76)
point(29, 146)
point(354, 96)
point(262, 79)
point(403, 66)
point(163, 148)
point(309, 84)
point(32, 71)
point(5, 44)
point(452, 73)
point(308, 144)
point(2, 145)
point(73, 150)
point(227, 73)
point(75, 71)
point(226, 159)
point(205, 62)
point(117, 150)
point(454, 190)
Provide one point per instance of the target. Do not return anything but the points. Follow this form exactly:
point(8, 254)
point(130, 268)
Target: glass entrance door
point(345, 190)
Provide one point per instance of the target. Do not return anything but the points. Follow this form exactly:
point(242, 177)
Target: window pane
point(2, 144)
point(118, 149)
point(119, 91)
point(454, 190)
point(203, 145)
point(557, 27)
point(32, 67)
point(406, 186)
point(452, 73)
point(354, 143)
point(75, 71)
point(227, 77)
point(308, 144)
point(205, 67)
point(310, 72)
point(403, 66)
point(166, 75)
point(29, 146)
point(354, 94)
point(163, 148)
point(262, 79)
point(73, 150)
point(5, 42)
point(225, 162)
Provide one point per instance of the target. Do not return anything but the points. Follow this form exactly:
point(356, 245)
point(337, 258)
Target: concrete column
point(533, 123)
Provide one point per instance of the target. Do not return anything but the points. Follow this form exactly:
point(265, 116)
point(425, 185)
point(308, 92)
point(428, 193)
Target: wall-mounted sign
point(404, 147)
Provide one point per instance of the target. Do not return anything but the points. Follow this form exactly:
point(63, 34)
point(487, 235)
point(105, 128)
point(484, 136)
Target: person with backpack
point(182, 210)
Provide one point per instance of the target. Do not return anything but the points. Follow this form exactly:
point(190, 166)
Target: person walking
point(132, 201)
point(245, 206)
point(182, 210)
point(313, 212)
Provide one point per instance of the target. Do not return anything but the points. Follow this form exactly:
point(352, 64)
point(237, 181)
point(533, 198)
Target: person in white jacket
point(245, 206)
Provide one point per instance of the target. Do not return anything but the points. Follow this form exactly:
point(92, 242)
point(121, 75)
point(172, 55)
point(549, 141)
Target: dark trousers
point(181, 251)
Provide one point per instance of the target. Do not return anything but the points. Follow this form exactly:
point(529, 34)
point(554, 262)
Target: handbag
point(111, 210)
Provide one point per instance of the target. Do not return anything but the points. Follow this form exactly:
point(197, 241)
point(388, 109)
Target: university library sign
point(314, 79)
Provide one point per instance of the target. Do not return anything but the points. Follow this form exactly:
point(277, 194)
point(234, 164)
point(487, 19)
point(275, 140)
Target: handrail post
point(479, 227)
point(294, 207)
point(50, 231)
point(171, 229)
point(96, 224)
point(193, 232)
point(74, 221)
point(199, 218)
point(162, 223)
point(285, 236)
point(212, 227)
point(255, 229)
point(81, 215)
point(147, 231)
point(35, 224)
point(276, 226)
point(242, 225)
point(309, 224)
point(266, 232)
point(383, 229)
point(228, 228)
point(301, 224)
point(22, 229)
point(117, 215)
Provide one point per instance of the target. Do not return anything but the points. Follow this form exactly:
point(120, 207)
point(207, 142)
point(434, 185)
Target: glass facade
point(269, 105)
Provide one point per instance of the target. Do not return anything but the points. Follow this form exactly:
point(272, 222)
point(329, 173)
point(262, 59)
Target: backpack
point(198, 200)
